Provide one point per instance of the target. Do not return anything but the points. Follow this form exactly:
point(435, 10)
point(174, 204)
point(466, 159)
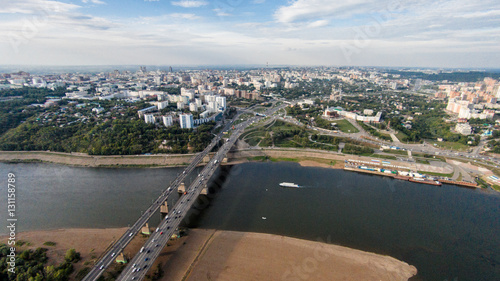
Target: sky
point(400, 33)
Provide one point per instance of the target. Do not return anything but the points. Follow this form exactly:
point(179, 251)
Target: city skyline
point(448, 34)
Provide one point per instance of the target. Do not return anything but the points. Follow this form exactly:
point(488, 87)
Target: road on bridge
point(121, 243)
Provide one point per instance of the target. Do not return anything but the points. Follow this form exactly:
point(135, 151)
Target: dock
point(350, 166)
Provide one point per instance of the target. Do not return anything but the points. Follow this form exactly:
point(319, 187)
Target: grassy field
point(422, 161)
point(436, 174)
point(290, 159)
point(398, 152)
point(401, 136)
point(253, 137)
point(260, 109)
point(450, 145)
point(384, 156)
point(346, 126)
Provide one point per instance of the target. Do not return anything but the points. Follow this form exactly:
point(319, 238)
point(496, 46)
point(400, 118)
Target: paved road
point(421, 148)
point(139, 265)
point(121, 243)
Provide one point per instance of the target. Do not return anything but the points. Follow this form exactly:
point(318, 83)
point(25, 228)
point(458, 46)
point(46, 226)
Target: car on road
point(146, 259)
point(101, 267)
point(157, 245)
point(131, 234)
point(161, 233)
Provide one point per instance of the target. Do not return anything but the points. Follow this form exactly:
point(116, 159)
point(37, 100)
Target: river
point(447, 232)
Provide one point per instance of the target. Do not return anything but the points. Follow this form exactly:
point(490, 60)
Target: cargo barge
point(403, 175)
point(461, 183)
point(426, 181)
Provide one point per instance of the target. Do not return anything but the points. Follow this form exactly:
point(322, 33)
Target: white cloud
point(189, 3)
point(94, 2)
point(221, 13)
point(318, 23)
point(310, 9)
point(35, 7)
point(422, 33)
point(184, 16)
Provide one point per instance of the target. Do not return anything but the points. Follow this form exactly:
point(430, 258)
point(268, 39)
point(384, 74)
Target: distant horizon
point(256, 66)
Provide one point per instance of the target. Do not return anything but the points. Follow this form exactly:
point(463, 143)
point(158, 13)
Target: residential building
point(186, 121)
point(167, 120)
point(149, 118)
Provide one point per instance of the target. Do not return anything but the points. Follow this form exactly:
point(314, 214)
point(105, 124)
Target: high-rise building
point(149, 118)
point(221, 103)
point(186, 121)
point(167, 120)
point(161, 105)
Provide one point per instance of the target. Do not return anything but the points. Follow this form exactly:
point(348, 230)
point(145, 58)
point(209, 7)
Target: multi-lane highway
point(121, 243)
point(140, 264)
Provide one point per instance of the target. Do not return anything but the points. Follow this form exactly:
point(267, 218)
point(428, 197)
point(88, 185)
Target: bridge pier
point(145, 229)
point(181, 188)
point(206, 159)
point(121, 258)
point(164, 208)
point(204, 191)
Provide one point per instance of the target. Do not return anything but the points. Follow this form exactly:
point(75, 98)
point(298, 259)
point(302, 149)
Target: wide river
point(447, 232)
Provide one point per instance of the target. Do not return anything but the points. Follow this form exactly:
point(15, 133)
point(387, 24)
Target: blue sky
point(434, 33)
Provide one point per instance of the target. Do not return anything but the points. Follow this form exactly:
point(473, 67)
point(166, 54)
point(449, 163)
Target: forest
point(118, 132)
point(31, 265)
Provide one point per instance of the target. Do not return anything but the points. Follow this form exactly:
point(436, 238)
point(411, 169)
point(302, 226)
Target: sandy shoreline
point(228, 255)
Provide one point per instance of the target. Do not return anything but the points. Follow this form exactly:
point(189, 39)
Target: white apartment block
point(186, 121)
point(167, 120)
point(149, 118)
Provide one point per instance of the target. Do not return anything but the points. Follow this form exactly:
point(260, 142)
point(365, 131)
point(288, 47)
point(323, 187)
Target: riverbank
point(305, 157)
point(163, 161)
point(81, 159)
point(228, 255)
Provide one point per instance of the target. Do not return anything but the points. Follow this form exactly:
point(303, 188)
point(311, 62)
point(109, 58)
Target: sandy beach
point(227, 255)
